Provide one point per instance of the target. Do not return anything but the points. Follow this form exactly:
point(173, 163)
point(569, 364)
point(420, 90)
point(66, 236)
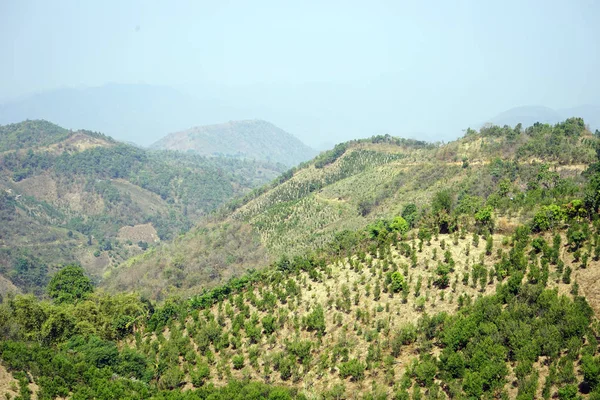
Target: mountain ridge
point(252, 139)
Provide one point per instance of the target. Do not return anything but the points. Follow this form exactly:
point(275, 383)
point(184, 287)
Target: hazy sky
point(317, 68)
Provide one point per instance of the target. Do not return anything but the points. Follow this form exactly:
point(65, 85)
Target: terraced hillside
point(81, 197)
point(514, 171)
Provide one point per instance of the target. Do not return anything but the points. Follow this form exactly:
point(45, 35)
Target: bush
point(201, 373)
point(354, 369)
point(238, 361)
point(425, 372)
point(590, 367)
point(315, 321)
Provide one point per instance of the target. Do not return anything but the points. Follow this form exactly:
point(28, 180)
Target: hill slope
point(486, 287)
point(251, 139)
point(392, 314)
point(360, 182)
point(79, 196)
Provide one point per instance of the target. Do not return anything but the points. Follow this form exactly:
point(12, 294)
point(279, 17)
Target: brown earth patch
point(137, 233)
point(77, 143)
point(95, 266)
point(42, 187)
point(589, 284)
point(8, 384)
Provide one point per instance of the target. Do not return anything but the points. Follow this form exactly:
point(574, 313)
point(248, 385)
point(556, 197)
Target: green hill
point(251, 139)
point(382, 312)
point(484, 286)
point(79, 196)
point(515, 171)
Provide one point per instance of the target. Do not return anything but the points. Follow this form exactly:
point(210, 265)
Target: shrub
point(238, 361)
point(354, 369)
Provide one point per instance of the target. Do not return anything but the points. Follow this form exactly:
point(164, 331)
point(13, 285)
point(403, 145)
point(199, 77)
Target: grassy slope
point(359, 323)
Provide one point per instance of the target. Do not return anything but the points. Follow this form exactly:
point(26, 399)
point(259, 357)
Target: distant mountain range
point(528, 115)
point(136, 113)
point(250, 139)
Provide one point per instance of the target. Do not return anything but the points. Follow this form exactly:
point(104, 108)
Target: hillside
point(360, 182)
point(384, 312)
point(82, 197)
point(251, 139)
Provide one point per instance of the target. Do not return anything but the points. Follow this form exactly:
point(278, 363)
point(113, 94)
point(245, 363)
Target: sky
point(323, 70)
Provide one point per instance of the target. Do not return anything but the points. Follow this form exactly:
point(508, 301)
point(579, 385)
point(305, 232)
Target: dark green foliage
point(70, 284)
point(425, 372)
point(590, 367)
point(443, 279)
point(331, 156)
point(30, 133)
point(410, 214)
point(443, 201)
point(30, 274)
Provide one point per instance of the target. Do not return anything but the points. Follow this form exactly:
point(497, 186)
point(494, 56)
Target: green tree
point(354, 369)
point(442, 201)
point(590, 367)
point(69, 285)
point(410, 214)
point(315, 320)
point(484, 218)
point(397, 281)
point(400, 225)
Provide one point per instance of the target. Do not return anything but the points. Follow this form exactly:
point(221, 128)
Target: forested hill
point(513, 170)
point(79, 196)
point(443, 304)
point(250, 139)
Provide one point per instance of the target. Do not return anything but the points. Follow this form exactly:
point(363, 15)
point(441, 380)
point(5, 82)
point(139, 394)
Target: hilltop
point(515, 171)
point(82, 197)
point(250, 139)
point(528, 115)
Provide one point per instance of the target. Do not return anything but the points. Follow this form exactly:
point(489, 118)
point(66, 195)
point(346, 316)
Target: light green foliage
point(548, 217)
point(399, 225)
point(398, 282)
point(484, 219)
